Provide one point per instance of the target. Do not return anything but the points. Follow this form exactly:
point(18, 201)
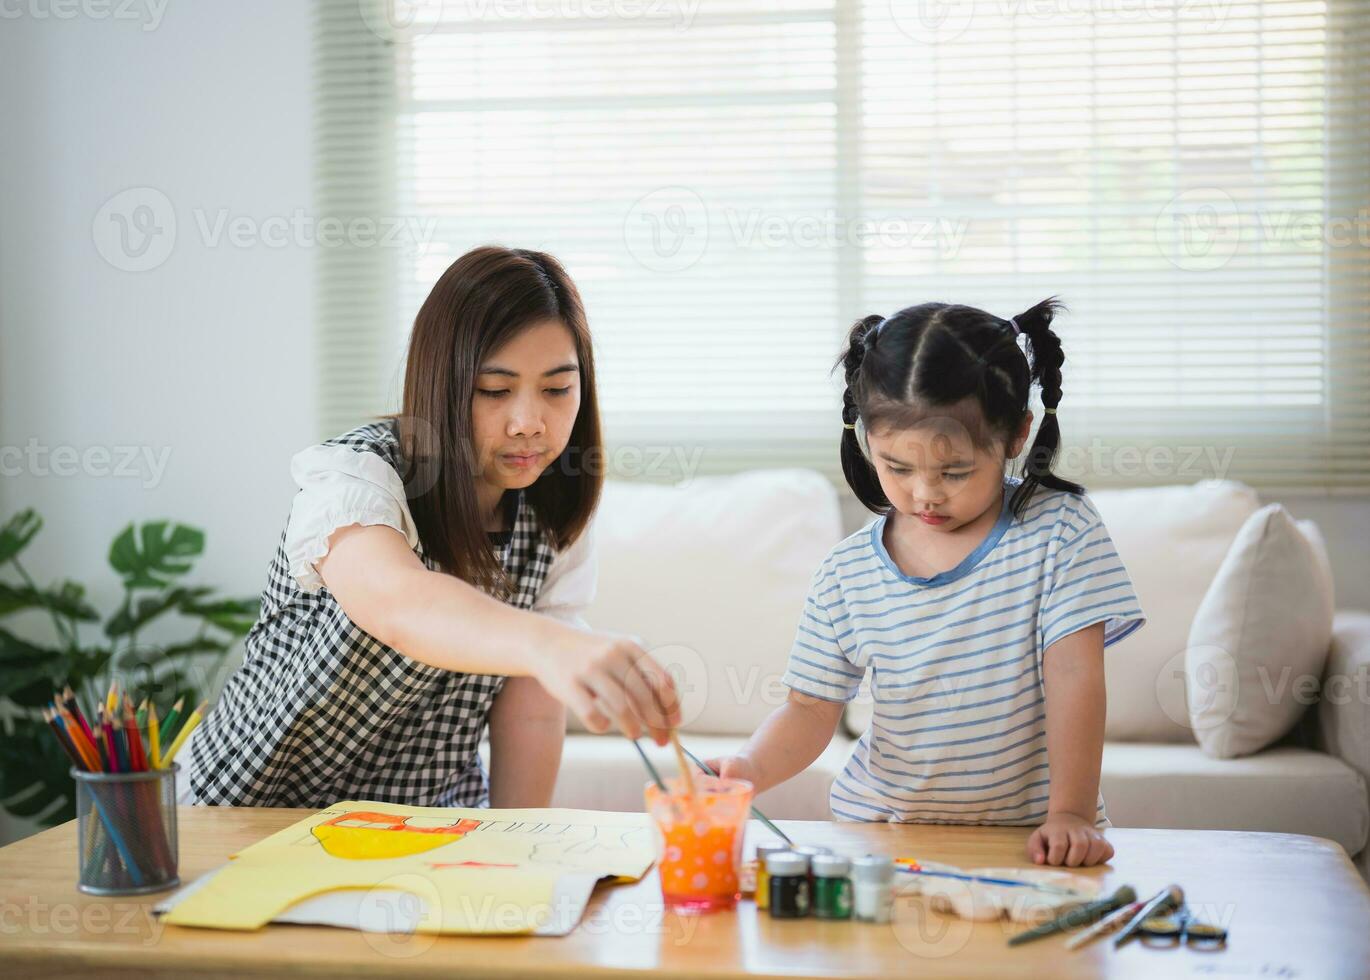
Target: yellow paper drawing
point(474, 871)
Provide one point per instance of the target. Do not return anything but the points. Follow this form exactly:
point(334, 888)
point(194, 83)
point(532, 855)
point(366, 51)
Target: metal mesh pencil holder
point(126, 831)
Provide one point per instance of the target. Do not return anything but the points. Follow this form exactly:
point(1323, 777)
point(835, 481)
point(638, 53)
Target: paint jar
point(699, 841)
point(873, 888)
point(788, 872)
point(763, 877)
point(831, 886)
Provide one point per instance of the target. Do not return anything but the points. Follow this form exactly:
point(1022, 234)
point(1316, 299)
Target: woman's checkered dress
point(321, 711)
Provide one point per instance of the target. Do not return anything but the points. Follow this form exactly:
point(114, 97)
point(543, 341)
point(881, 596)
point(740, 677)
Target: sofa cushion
point(1280, 790)
point(1260, 638)
point(711, 577)
point(602, 772)
point(1172, 540)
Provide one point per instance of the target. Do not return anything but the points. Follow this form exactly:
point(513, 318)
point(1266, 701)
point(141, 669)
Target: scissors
point(1180, 928)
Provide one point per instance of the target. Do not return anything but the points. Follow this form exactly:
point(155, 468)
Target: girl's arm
point(1073, 674)
point(786, 744)
point(527, 728)
point(439, 620)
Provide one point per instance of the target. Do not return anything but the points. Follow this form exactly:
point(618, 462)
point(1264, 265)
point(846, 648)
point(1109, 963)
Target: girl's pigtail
point(856, 466)
point(1046, 360)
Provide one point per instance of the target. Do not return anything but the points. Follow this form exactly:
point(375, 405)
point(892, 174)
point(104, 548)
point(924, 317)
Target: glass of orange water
point(699, 840)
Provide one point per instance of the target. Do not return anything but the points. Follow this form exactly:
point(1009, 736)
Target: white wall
point(205, 358)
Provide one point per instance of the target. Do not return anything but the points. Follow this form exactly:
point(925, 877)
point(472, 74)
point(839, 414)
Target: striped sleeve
point(817, 665)
point(1089, 584)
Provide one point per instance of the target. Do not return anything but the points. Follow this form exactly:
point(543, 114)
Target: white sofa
point(711, 576)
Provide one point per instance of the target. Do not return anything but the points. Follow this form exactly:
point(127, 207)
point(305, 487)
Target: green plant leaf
point(191, 647)
point(157, 552)
point(18, 652)
point(237, 616)
point(67, 599)
point(89, 662)
point(29, 672)
point(125, 620)
point(18, 532)
point(34, 773)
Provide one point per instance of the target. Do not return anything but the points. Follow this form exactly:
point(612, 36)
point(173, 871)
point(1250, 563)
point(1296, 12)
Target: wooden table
point(1294, 905)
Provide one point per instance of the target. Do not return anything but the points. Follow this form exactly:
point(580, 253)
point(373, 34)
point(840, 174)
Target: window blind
point(731, 184)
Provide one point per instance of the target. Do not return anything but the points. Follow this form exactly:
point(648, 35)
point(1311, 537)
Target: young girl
point(981, 604)
point(428, 582)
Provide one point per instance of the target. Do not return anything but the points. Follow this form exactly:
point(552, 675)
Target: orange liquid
point(700, 846)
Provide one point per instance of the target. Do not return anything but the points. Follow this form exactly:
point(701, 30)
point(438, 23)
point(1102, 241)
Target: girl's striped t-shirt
point(958, 733)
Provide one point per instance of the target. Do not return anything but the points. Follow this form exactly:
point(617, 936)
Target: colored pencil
point(113, 697)
point(169, 722)
point(137, 760)
point(111, 753)
point(154, 753)
point(90, 759)
point(69, 699)
point(142, 713)
point(110, 829)
point(191, 721)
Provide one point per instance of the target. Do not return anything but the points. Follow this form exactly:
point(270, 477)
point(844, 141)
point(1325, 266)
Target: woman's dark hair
point(481, 302)
point(940, 360)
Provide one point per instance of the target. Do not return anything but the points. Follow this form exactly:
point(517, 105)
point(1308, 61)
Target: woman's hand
point(1068, 838)
point(609, 681)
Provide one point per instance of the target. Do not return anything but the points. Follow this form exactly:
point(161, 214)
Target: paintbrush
point(755, 812)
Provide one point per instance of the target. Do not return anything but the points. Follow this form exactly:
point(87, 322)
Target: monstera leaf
point(67, 598)
point(34, 773)
point(234, 615)
point(148, 560)
point(131, 617)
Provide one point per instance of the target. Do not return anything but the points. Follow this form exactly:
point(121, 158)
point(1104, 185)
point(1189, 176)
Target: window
point(732, 184)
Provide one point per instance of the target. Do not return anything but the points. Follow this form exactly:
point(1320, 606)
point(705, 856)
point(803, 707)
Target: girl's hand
point(1067, 838)
point(609, 681)
point(733, 767)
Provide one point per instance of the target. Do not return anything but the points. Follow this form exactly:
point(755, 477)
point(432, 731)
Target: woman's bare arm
point(438, 619)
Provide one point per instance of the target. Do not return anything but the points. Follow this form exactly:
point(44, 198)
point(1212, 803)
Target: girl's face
point(935, 474)
point(525, 403)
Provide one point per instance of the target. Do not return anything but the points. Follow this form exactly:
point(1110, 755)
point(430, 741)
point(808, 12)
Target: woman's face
point(525, 403)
